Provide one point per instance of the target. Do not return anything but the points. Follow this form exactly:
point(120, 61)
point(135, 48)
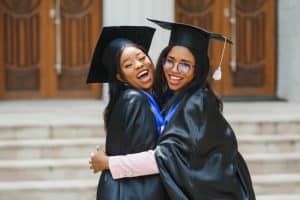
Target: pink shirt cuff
point(133, 165)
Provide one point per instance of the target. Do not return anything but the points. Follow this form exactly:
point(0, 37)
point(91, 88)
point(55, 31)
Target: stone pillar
point(288, 49)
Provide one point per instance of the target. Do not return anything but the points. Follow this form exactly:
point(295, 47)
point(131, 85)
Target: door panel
point(80, 26)
point(255, 43)
point(28, 53)
point(23, 63)
point(256, 50)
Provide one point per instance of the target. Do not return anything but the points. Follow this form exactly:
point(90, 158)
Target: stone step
point(263, 117)
point(81, 189)
point(45, 169)
point(49, 148)
point(250, 127)
point(268, 163)
point(42, 169)
point(55, 148)
point(269, 143)
point(279, 197)
point(46, 131)
point(61, 130)
point(276, 183)
point(286, 187)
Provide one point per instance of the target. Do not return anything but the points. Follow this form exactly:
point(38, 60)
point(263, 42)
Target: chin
point(174, 88)
point(146, 88)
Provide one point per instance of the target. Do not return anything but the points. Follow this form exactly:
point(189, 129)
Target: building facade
point(47, 45)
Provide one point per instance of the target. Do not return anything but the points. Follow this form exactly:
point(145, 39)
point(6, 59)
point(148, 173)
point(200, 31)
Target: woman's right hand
point(98, 161)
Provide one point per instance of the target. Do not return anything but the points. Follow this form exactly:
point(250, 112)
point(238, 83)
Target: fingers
point(93, 159)
point(98, 148)
point(91, 164)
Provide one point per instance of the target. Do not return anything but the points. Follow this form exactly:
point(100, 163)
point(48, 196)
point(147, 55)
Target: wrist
point(106, 162)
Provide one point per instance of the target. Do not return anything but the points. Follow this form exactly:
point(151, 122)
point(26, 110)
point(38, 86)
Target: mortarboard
point(192, 37)
point(109, 45)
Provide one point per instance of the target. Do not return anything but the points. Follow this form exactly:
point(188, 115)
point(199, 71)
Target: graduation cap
point(193, 37)
point(108, 48)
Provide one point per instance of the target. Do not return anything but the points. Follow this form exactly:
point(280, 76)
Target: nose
point(139, 64)
point(174, 69)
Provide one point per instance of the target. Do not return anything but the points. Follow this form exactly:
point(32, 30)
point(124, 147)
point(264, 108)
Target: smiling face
point(179, 56)
point(137, 68)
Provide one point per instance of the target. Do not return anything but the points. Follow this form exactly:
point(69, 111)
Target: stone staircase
point(45, 146)
point(52, 166)
point(45, 149)
point(269, 140)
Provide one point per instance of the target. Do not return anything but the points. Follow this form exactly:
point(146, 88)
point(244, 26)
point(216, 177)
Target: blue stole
point(161, 121)
point(155, 110)
point(168, 116)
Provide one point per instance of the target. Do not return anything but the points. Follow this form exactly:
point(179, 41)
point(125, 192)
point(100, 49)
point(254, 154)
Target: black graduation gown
point(131, 129)
point(197, 154)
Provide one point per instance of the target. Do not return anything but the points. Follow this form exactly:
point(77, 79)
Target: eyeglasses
point(182, 67)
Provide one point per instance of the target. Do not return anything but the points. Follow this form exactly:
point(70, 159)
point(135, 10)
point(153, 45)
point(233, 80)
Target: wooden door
point(29, 54)
point(249, 67)
point(80, 26)
point(23, 62)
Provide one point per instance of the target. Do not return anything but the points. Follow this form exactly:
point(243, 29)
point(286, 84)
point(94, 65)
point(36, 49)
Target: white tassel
point(217, 74)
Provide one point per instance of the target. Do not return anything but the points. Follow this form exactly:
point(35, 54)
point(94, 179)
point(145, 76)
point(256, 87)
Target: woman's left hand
point(98, 161)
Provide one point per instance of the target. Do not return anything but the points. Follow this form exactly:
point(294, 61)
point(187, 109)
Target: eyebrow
point(124, 61)
point(137, 54)
point(181, 60)
point(187, 61)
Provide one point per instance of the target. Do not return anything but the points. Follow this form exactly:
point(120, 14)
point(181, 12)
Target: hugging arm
point(125, 166)
point(133, 165)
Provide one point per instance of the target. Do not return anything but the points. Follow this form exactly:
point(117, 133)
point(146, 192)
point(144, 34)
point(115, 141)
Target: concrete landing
point(56, 112)
point(51, 112)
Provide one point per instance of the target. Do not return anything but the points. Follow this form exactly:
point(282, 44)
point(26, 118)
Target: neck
point(149, 91)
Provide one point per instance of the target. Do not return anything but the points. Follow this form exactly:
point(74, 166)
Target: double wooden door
point(46, 47)
point(249, 66)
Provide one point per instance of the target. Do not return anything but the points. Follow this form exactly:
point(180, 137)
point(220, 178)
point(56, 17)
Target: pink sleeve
point(132, 165)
